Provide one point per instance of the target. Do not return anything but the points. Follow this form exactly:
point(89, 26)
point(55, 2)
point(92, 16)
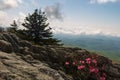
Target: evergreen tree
point(37, 29)
point(13, 27)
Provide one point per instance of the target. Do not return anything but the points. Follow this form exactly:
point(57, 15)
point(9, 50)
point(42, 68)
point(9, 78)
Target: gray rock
point(114, 71)
point(11, 38)
point(13, 67)
point(5, 46)
point(25, 43)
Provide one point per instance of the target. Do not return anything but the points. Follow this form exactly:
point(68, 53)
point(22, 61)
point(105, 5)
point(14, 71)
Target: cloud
point(103, 1)
point(82, 30)
point(3, 16)
point(6, 19)
point(20, 20)
point(7, 4)
point(54, 11)
point(22, 15)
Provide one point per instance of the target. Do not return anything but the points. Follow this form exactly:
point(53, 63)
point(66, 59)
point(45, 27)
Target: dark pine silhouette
point(37, 29)
point(13, 28)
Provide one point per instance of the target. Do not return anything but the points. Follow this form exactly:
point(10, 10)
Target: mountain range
point(106, 45)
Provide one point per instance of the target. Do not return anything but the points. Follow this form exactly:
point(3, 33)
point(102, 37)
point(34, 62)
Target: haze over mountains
point(108, 46)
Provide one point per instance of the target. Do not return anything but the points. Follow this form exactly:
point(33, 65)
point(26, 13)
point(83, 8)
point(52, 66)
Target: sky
point(67, 16)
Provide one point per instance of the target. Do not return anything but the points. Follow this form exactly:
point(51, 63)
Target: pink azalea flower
point(88, 59)
point(81, 61)
point(67, 63)
point(94, 61)
point(93, 70)
point(81, 67)
point(73, 63)
point(102, 78)
point(88, 62)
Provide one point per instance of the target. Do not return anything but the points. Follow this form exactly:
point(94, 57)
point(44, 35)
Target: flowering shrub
point(85, 67)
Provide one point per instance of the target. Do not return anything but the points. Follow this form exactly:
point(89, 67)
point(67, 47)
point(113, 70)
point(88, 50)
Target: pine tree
point(37, 29)
point(13, 27)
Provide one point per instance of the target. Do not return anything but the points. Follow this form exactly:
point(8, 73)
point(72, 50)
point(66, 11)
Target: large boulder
point(5, 46)
point(11, 38)
point(13, 67)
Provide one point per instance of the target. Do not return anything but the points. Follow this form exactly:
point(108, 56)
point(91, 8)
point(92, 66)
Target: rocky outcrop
point(114, 72)
point(5, 46)
point(12, 39)
point(26, 61)
point(12, 67)
point(35, 62)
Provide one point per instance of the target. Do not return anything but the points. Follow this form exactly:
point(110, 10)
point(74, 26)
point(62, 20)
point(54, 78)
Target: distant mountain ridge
point(106, 45)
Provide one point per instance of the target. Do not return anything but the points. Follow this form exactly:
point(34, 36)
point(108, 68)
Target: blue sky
point(68, 16)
